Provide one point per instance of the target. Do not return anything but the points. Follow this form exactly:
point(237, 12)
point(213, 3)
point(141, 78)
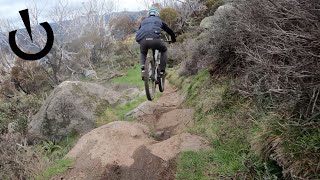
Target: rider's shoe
point(142, 75)
point(142, 72)
point(163, 74)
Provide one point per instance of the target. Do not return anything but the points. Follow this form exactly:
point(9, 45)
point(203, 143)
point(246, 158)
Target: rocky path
point(145, 149)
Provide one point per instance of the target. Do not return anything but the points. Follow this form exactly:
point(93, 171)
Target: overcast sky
point(9, 9)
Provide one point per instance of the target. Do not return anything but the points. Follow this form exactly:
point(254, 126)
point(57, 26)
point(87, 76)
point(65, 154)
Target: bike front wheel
point(161, 81)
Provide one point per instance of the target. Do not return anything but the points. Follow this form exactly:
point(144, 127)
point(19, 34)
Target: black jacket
point(151, 28)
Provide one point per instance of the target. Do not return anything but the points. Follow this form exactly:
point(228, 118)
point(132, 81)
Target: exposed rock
point(212, 22)
point(90, 73)
point(12, 127)
point(177, 121)
point(114, 143)
point(70, 108)
point(207, 22)
point(132, 92)
point(124, 150)
point(146, 108)
point(170, 148)
point(129, 94)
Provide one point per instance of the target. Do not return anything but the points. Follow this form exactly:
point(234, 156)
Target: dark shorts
point(147, 44)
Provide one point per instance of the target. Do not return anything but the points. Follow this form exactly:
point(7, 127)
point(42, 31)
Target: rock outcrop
point(212, 22)
point(125, 150)
point(70, 108)
point(207, 22)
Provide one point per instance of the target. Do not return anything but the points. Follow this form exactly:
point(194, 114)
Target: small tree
point(29, 77)
point(122, 26)
point(170, 16)
point(190, 11)
point(212, 5)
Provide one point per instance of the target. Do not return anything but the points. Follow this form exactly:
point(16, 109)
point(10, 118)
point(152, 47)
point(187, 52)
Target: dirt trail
point(166, 116)
point(146, 149)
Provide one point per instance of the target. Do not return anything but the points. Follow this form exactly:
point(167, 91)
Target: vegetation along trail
point(146, 149)
point(241, 99)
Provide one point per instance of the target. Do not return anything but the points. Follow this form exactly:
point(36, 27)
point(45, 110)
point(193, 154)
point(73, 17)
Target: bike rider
point(148, 36)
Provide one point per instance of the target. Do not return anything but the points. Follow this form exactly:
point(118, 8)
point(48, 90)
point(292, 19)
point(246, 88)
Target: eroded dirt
point(168, 118)
point(146, 149)
point(146, 166)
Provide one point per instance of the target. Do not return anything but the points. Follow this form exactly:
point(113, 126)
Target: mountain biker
point(148, 36)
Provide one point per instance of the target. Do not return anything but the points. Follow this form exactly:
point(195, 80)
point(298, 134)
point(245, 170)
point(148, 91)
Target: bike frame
point(156, 58)
point(151, 76)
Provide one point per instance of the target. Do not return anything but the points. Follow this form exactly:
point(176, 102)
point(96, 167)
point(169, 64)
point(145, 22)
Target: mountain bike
point(151, 75)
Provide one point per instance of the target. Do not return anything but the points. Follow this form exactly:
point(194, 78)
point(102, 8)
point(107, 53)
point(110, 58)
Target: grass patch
point(293, 146)
point(132, 77)
point(58, 167)
point(226, 120)
point(55, 152)
point(191, 166)
point(68, 143)
point(119, 113)
point(107, 114)
point(221, 162)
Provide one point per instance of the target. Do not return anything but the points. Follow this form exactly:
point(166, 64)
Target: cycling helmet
point(153, 12)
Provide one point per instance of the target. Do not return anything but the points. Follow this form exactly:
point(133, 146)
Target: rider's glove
point(173, 40)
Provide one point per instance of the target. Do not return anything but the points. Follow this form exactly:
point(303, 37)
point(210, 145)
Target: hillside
point(241, 99)
point(60, 34)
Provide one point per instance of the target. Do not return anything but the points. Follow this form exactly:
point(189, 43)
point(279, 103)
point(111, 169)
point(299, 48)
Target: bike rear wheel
point(150, 79)
point(160, 80)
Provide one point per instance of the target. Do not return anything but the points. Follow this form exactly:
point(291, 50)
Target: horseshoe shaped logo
point(31, 57)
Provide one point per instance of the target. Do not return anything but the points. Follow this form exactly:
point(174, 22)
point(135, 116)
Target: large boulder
point(144, 109)
point(129, 95)
point(112, 143)
point(89, 73)
point(213, 22)
point(207, 22)
point(70, 108)
point(125, 150)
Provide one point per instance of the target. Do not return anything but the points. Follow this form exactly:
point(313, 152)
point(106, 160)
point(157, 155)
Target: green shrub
point(58, 167)
point(213, 5)
point(18, 110)
point(170, 16)
point(133, 77)
point(19, 161)
point(227, 121)
point(30, 77)
point(263, 46)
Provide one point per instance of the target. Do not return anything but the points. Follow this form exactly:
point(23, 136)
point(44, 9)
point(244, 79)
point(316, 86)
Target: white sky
point(9, 9)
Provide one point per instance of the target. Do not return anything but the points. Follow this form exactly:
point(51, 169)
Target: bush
point(18, 161)
point(272, 48)
point(18, 110)
point(170, 16)
point(276, 54)
point(213, 5)
point(29, 77)
point(91, 48)
point(187, 52)
point(191, 13)
point(183, 53)
point(121, 27)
